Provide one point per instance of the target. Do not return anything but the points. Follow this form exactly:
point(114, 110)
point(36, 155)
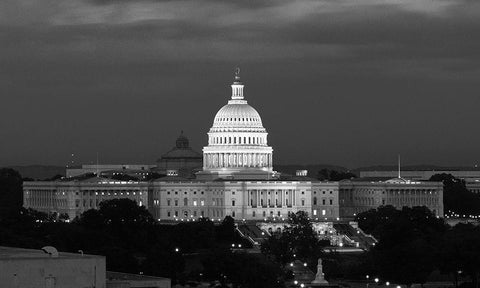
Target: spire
point(237, 86)
point(399, 174)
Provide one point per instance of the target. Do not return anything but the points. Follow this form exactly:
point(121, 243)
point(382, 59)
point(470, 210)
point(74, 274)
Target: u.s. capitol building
point(236, 179)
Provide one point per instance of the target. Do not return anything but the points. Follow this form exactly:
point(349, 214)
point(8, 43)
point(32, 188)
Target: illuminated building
point(237, 180)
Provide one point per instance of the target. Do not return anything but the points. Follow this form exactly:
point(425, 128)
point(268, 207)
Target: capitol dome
point(237, 140)
point(237, 115)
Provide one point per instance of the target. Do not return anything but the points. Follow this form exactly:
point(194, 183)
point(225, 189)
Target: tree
point(460, 252)
point(297, 241)
point(117, 212)
point(242, 270)
point(408, 242)
point(456, 197)
point(333, 175)
point(11, 191)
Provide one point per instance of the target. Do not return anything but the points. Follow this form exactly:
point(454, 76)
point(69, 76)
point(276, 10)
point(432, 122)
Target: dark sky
point(344, 82)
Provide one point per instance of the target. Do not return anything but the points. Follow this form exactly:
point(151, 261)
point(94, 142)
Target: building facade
point(73, 197)
point(356, 196)
point(237, 180)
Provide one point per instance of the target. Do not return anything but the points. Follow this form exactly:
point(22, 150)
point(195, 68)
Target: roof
point(181, 150)
point(181, 153)
point(135, 277)
point(22, 253)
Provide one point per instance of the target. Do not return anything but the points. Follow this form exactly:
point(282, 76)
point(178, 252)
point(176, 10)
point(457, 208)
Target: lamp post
point(368, 277)
point(376, 280)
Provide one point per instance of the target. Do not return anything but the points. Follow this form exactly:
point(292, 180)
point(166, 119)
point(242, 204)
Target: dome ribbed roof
point(237, 115)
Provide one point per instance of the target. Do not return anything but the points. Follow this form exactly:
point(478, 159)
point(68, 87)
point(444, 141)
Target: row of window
point(195, 213)
point(324, 201)
point(238, 140)
point(185, 193)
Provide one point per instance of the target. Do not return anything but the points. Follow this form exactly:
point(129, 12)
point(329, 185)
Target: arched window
point(314, 200)
point(185, 202)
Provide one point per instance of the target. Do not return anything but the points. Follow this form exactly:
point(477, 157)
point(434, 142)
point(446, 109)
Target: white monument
point(319, 278)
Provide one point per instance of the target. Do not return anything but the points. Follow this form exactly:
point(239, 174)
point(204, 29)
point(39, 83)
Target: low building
point(29, 268)
point(75, 196)
point(137, 170)
point(126, 280)
point(359, 195)
point(422, 174)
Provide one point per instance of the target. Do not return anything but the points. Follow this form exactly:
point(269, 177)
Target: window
point(314, 212)
point(185, 201)
point(323, 201)
point(314, 200)
point(331, 201)
point(264, 214)
point(233, 213)
point(324, 212)
point(202, 202)
point(194, 202)
point(253, 214)
point(233, 202)
point(176, 213)
point(168, 202)
point(278, 213)
point(303, 202)
point(176, 202)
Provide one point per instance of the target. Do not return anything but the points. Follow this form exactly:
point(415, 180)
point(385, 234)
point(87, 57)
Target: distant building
point(423, 174)
point(29, 268)
point(359, 195)
point(181, 158)
point(237, 179)
point(126, 280)
point(471, 177)
point(137, 170)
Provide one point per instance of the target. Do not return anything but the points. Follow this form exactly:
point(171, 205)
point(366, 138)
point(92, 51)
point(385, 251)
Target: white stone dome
point(237, 115)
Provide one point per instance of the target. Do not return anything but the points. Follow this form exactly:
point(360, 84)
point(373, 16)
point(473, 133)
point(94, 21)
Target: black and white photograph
point(239, 144)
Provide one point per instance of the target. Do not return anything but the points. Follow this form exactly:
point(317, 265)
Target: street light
point(376, 280)
point(176, 249)
point(387, 283)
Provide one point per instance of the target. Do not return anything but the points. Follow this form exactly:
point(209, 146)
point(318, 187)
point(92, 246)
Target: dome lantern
point(237, 86)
